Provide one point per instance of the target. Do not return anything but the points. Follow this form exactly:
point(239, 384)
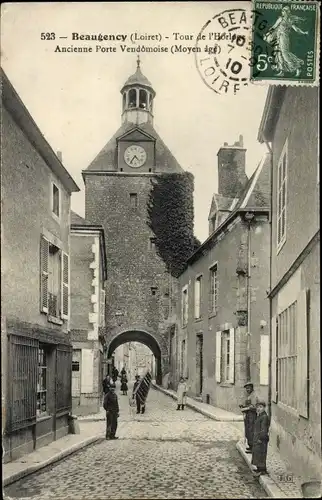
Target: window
point(198, 292)
point(152, 243)
point(42, 382)
point(153, 290)
point(54, 280)
point(55, 208)
point(225, 356)
point(185, 306)
point(287, 355)
point(132, 98)
point(213, 289)
point(134, 201)
point(281, 198)
point(143, 99)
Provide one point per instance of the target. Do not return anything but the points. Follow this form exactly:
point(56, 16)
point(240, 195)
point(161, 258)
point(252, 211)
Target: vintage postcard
point(160, 243)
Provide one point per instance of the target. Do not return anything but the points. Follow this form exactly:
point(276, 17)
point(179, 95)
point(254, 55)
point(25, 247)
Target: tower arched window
point(132, 98)
point(124, 101)
point(143, 99)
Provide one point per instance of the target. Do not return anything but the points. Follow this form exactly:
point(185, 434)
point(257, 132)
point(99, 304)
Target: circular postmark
point(223, 51)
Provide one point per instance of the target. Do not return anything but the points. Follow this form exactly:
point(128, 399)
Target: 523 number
point(47, 36)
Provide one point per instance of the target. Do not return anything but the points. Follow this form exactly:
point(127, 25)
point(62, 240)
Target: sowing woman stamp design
point(286, 51)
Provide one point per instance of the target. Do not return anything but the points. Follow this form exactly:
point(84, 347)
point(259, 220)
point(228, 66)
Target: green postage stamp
point(285, 42)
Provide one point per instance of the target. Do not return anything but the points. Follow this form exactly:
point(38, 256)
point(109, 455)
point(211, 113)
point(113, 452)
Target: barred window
point(42, 382)
point(287, 356)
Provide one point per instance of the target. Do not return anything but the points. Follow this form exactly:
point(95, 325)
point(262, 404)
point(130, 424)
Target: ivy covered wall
point(170, 217)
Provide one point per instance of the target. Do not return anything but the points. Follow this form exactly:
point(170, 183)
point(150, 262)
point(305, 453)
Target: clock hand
point(133, 159)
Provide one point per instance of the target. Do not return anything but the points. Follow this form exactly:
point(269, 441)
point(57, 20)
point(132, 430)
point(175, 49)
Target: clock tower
point(140, 292)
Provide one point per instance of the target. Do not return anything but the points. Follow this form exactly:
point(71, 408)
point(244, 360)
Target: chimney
point(59, 155)
point(231, 169)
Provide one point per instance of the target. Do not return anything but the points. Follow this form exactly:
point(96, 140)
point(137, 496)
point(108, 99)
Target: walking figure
point(261, 438)
point(111, 406)
point(139, 407)
point(248, 408)
point(115, 374)
point(182, 393)
point(124, 387)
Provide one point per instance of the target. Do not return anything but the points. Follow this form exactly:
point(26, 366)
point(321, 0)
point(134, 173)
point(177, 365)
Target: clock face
point(135, 156)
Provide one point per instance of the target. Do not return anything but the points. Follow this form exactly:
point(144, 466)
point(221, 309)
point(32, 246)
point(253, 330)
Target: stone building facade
point(295, 276)
point(140, 291)
point(87, 319)
point(35, 341)
point(222, 331)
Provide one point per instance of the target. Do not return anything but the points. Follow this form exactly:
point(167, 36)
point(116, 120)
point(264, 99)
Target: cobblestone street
point(162, 454)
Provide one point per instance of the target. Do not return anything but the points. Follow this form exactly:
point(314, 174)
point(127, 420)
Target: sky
point(75, 97)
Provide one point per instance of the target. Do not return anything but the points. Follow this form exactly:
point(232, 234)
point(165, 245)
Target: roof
point(220, 203)
point(106, 160)
point(24, 120)
point(76, 219)
point(137, 79)
point(255, 197)
point(273, 103)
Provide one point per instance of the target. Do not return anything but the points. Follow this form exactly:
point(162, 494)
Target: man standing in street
point(111, 406)
point(248, 408)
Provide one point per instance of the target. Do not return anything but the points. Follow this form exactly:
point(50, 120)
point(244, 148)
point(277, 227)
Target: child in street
point(261, 438)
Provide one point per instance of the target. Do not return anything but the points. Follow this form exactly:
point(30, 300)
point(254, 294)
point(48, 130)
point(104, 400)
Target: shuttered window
point(65, 286)
point(44, 257)
point(225, 356)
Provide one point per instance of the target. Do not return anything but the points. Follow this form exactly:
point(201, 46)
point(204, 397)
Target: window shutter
point(302, 347)
point(264, 359)
point(218, 356)
point(65, 286)
point(231, 356)
point(274, 360)
point(44, 254)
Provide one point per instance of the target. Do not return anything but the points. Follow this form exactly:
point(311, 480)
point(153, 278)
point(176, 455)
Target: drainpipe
point(270, 284)
point(248, 217)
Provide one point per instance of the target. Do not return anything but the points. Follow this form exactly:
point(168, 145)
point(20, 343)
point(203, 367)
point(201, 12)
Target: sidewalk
point(280, 482)
point(53, 452)
point(208, 410)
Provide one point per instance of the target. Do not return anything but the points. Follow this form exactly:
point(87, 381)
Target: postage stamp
point(285, 42)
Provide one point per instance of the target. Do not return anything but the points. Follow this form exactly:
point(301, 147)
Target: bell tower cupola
point(137, 98)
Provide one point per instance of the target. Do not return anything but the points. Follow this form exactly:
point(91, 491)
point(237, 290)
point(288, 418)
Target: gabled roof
point(76, 219)
point(24, 120)
point(106, 160)
point(220, 203)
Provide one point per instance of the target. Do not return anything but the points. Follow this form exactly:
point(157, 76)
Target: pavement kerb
point(194, 407)
point(267, 483)
point(16, 476)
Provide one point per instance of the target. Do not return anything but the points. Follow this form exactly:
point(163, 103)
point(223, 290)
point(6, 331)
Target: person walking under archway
point(124, 387)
